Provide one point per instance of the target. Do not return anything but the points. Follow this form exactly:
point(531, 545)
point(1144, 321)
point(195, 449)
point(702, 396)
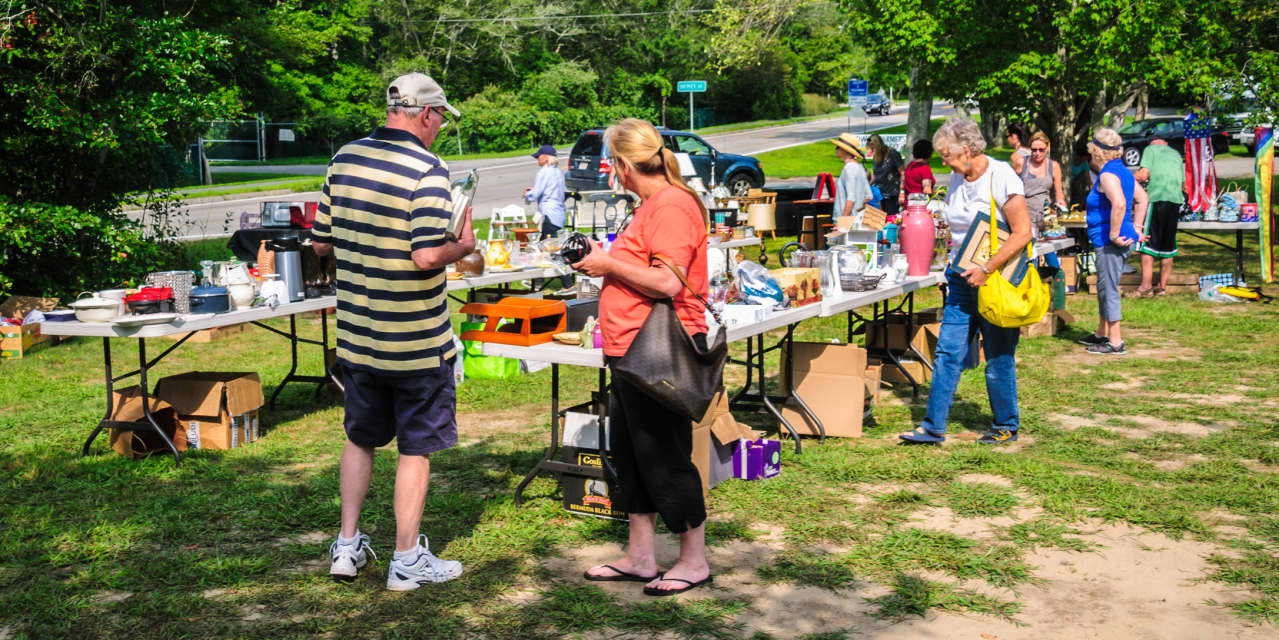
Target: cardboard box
point(830, 380)
point(715, 437)
point(921, 373)
point(19, 306)
point(205, 336)
point(1046, 326)
point(1049, 325)
point(19, 341)
point(802, 285)
point(757, 459)
point(873, 378)
point(824, 357)
point(925, 340)
point(143, 441)
point(218, 409)
point(586, 495)
point(897, 339)
point(1070, 269)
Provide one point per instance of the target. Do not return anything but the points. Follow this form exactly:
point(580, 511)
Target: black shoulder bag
point(666, 364)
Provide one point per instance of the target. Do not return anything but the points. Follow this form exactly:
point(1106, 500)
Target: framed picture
point(976, 250)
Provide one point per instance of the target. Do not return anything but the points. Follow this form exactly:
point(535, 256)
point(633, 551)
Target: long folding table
point(191, 323)
point(753, 392)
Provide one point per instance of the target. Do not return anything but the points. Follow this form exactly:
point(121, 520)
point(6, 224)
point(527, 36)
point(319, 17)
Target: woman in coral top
point(652, 445)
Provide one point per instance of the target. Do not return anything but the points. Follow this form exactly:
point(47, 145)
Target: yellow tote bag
point(1003, 304)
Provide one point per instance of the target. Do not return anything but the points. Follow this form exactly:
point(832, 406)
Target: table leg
point(789, 365)
point(602, 411)
point(143, 365)
point(293, 353)
point(1239, 255)
point(555, 436)
point(768, 404)
point(106, 360)
point(745, 390)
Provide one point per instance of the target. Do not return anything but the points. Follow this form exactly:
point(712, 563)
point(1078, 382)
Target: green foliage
point(57, 250)
point(93, 90)
point(813, 104)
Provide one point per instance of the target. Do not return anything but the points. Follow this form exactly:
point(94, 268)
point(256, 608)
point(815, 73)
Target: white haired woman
point(978, 184)
point(1115, 200)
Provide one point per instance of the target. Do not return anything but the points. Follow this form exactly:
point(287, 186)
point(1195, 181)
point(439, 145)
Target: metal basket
point(180, 282)
point(858, 282)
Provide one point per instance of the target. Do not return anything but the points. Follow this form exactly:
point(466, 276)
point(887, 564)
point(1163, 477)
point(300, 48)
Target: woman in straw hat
point(852, 192)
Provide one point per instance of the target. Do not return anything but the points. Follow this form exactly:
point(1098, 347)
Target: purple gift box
point(756, 459)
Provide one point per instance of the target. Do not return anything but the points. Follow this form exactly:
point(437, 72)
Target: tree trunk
point(992, 125)
point(921, 110)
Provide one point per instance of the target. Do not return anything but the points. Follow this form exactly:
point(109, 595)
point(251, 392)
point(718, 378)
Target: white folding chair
point(508, 216)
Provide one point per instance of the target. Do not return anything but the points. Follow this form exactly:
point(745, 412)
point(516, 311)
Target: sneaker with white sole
point(349, 558)
point(1108, 348)
point(418, 567)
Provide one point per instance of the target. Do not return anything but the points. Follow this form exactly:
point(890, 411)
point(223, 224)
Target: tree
point(95, 92)
point(910, 36)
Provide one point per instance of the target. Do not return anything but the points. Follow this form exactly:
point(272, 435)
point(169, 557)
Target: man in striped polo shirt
point(383, 212)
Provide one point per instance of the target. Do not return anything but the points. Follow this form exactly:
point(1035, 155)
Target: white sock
point(411, 553)
point(349, 541)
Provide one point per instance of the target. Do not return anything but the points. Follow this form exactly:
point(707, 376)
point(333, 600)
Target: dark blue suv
point(589, 165)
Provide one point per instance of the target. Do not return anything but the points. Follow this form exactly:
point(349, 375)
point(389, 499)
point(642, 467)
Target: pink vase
point(917, 235)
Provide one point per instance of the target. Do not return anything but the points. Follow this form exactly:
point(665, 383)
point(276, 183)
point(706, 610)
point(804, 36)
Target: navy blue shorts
point(418, 412)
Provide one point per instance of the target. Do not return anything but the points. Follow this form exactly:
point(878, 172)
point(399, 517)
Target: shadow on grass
point(159, 539)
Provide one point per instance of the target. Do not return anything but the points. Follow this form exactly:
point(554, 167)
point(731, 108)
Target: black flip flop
point(654, 591)
point(621, 576)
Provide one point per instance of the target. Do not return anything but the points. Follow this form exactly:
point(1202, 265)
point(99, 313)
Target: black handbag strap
point(689, 287)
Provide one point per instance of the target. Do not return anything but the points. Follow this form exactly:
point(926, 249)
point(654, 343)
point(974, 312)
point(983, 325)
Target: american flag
point(1201, 175)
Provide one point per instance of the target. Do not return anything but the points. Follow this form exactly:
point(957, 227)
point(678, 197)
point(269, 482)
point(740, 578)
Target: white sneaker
point(348, 559)
point(420, 568)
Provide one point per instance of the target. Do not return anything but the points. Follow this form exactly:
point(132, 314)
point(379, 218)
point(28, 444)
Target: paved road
point(502, 180)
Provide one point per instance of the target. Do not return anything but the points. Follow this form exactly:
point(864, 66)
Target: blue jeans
point(959, 326)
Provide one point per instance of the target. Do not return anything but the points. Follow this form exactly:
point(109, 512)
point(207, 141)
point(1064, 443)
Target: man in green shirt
point(1164, 173)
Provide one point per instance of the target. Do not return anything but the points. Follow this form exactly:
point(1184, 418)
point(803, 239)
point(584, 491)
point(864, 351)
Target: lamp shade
point(760, 216)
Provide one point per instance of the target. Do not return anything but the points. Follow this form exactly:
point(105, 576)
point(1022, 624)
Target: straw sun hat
point(848, 142)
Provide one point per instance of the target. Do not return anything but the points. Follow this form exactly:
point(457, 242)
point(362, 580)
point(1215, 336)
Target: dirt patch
point(1174, 464)
point(984, 528)
point(1193, 429)
point(110, 597)
point(1210, 399)
point(1140, 585)
point(988, 478)
point(313, 537)
point(1157, 345)
point(1129, 383)
point(1071, 423)
point(475, 426)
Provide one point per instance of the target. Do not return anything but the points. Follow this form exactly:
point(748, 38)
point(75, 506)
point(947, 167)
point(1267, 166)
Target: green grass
point(293, 186)
point(245, 177)
point(232, 544)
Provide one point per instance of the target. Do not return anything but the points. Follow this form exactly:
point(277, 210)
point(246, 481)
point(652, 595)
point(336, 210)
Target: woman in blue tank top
point(1115, 198)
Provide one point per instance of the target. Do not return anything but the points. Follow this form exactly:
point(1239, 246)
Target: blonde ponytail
point(638, 143)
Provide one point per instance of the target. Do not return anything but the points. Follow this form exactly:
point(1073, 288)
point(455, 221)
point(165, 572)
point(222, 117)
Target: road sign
point(857, 91)
point(690, 87)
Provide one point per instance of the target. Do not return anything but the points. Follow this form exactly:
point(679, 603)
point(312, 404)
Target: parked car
point(878, 104)
point(1137, 136)
point(589, 164)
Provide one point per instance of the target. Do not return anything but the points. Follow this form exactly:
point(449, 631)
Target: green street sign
point(691, 86)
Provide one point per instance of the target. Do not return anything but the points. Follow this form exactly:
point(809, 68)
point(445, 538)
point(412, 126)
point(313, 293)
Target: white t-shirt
point(966, 200)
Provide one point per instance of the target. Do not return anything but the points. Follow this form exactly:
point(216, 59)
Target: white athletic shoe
point(348, 559)
point(418, 569)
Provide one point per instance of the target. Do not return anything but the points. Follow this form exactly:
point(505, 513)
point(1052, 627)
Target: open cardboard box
point(715, 438)
point(830, 378)
point(143, 441)
point(218, 410)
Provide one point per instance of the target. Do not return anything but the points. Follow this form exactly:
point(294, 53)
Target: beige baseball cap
point(417, 90)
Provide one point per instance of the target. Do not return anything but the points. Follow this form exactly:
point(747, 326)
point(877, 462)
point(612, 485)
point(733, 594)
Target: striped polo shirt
point(384, 197)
